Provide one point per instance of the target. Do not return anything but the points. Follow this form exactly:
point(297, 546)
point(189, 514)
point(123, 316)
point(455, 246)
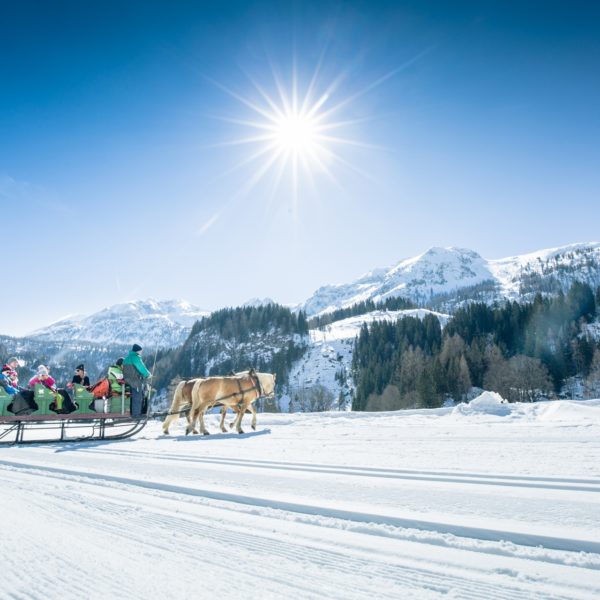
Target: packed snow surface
point(445, 503)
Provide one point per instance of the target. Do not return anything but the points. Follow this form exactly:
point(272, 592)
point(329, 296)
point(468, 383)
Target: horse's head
point(267, 384)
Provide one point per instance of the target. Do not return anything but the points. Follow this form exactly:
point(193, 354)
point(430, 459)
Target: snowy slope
point(444, 271)
point(329, 355)
point(153, 323)
point(518, 275)
point(423, 504)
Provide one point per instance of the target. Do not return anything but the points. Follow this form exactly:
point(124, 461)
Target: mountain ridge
point(442, 271)
point(441, 278)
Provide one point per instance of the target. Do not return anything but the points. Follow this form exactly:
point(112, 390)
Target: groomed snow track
point(310, 506)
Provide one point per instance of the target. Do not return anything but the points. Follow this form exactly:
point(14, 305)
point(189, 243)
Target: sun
point(296, 133)
point(298, 130)
point(293, 134)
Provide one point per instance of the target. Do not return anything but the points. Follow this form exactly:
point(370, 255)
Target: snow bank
point(489, 403)
point(584, 412)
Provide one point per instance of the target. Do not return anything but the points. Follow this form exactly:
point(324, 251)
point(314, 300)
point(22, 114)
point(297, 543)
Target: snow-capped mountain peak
point(162, 323)
point(447, 271)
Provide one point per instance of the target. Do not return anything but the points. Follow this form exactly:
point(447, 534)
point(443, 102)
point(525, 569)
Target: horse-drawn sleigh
point(110, 418)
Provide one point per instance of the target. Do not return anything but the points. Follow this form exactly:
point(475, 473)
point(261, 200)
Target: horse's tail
point(176, 406)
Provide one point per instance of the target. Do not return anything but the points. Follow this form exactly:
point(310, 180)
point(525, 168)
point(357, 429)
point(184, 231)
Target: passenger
point(135, 372)
point(13, 363)
point(22, 403)
point(5, 381)
point(115, 377)
point(63, 403)
point(43, 377)
point(80, 378)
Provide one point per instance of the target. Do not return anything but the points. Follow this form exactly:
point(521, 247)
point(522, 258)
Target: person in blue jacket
point(6, 382)
point(135, 373)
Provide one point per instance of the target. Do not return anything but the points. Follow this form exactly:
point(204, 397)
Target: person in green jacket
point(135, 373)
point(115, 377)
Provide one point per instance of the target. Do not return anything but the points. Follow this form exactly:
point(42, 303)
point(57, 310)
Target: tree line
point(360, 308)
point(523, 351)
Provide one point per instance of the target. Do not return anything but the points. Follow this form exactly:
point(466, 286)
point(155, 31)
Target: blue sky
point(472, 124)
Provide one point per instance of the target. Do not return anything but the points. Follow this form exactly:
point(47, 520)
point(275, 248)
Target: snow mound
point(489, 403)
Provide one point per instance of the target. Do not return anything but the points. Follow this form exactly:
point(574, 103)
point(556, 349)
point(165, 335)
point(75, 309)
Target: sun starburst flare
point(293, 133)
point(301, 133)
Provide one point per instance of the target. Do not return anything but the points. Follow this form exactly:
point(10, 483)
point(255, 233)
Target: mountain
point(259, 302)
point(452, 275)
point(152, 323)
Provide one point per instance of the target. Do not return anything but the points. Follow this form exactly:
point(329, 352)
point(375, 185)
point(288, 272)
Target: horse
point(238, 392)
point(181, 398)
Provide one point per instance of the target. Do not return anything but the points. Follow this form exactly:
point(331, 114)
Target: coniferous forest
point(360, 308)
point(268, 337)
point(524, 352)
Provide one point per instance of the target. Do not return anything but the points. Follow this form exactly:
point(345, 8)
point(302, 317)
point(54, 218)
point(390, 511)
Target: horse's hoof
point(206, 433)
point(254, 427)
point(165, 433)
point(187, 432)
point(241, 431)
point(195, 431)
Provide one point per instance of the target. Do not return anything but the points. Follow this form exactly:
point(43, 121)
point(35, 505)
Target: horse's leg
point(193, 417)
point(192, 424)
point(236, 410)
point(253, 411)
point(222, 424)
point(196, 409)
point(201, 413)
point(241, 413)
point(177, 396)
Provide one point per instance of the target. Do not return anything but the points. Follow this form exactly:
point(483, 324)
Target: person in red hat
point(12, 364)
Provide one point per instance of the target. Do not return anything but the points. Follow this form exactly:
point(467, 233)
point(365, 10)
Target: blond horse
point(238, 392)
point(181, 399)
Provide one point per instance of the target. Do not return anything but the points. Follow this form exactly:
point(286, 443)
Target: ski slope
point(481, 501)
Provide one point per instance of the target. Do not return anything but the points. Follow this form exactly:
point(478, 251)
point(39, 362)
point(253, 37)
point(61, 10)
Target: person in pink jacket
point(43, 376)
point(63, 403)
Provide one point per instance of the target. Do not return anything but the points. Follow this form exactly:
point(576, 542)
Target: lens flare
point(292, 134)
point(297, 132)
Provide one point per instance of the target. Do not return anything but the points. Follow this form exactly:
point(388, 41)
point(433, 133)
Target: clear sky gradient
point(473, 124)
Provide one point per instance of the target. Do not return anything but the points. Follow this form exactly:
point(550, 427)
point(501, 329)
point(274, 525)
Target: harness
point(254, 379)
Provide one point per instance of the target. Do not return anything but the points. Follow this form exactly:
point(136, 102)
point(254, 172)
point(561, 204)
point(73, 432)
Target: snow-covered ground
point(480, 501)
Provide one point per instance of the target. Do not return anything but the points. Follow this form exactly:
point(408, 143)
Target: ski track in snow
point(285, 515)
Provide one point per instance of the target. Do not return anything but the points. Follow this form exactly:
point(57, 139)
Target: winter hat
point(6, 368)
point(42, 370)
point(13, 359)
point(79, 368)
point(119, 362)
point(136, 348)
